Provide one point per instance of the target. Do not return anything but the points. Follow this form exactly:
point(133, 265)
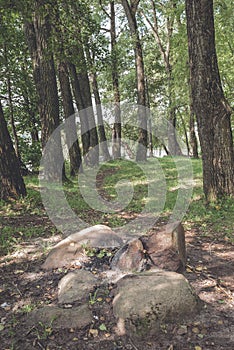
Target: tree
point(69, 112)
point(210, 105)
point(11, 182)
point(116, 134)
point(38, 35)
point(130, 9)
point(101, 128)
point(164, 46)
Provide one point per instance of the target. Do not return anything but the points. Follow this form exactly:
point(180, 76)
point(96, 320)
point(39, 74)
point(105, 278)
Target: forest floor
point(24, 286)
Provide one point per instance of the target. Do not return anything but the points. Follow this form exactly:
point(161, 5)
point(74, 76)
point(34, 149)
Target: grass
point(144, 189)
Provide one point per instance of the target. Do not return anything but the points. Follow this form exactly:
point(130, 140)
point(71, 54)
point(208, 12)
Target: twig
point(15, 285)
point(30, 330)
point(133, 344)
point(41, 346)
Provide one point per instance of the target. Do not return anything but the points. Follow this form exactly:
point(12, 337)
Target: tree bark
point(11, 182)
point(116, 133)
point(84, 124)
point(130, 10)
point(101, 128)
point(82, 94)
point(69, 112)
point(210, 106)
point(193, 137)
point(38, 35)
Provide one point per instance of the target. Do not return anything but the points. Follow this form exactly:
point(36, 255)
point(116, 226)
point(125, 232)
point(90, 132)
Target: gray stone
point(70, 250)
point(76, 286)
point(144, 301)
point(130, 257)
point(60, 318)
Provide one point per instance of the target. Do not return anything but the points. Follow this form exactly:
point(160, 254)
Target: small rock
point(76, 286)
point(130, 257)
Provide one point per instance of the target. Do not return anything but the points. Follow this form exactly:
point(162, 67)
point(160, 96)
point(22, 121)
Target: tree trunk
point(193, 137)
point(81, 90)
point(210, 106)
point(173, 145)
point(185, 133)
point(38, 37)
point(11, 182)
point(116, 133)
point(149, 122)
point(101, 128)
point(130, 10)
point(69, 112)
point(93, 157)
point(84, 124)
point(10, 103)
point(35, 162)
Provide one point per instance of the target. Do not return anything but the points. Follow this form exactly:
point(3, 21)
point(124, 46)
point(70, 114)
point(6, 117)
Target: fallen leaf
point(182, 330)
point(195, 330)
point(199, 268)
point(198, 348)
point(93, 332)
point(102, 327)
point(17, 272)
point(221, 301)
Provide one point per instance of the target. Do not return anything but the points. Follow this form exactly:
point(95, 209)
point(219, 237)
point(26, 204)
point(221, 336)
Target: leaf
point(199, 268)
point(102, 327)
point(221, 301)
point(93, 332)
point(198, 348)
point(195, 330)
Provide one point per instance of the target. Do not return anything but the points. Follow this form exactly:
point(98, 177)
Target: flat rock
point(145, 300)
point(56, 317)
point(76, 286)
point(70, 250)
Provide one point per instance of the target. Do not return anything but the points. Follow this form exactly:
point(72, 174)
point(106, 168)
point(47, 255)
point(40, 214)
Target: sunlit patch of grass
point(13, 236)
point(216, 218)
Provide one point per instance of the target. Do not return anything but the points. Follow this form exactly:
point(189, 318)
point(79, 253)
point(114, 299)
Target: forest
point(119, 113)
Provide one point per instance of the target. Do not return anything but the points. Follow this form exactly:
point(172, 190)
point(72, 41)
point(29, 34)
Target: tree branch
point(104, 10)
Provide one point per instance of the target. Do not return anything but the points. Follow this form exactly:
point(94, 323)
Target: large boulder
point(146, 300)
point(76, 286)
point(70, 250)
